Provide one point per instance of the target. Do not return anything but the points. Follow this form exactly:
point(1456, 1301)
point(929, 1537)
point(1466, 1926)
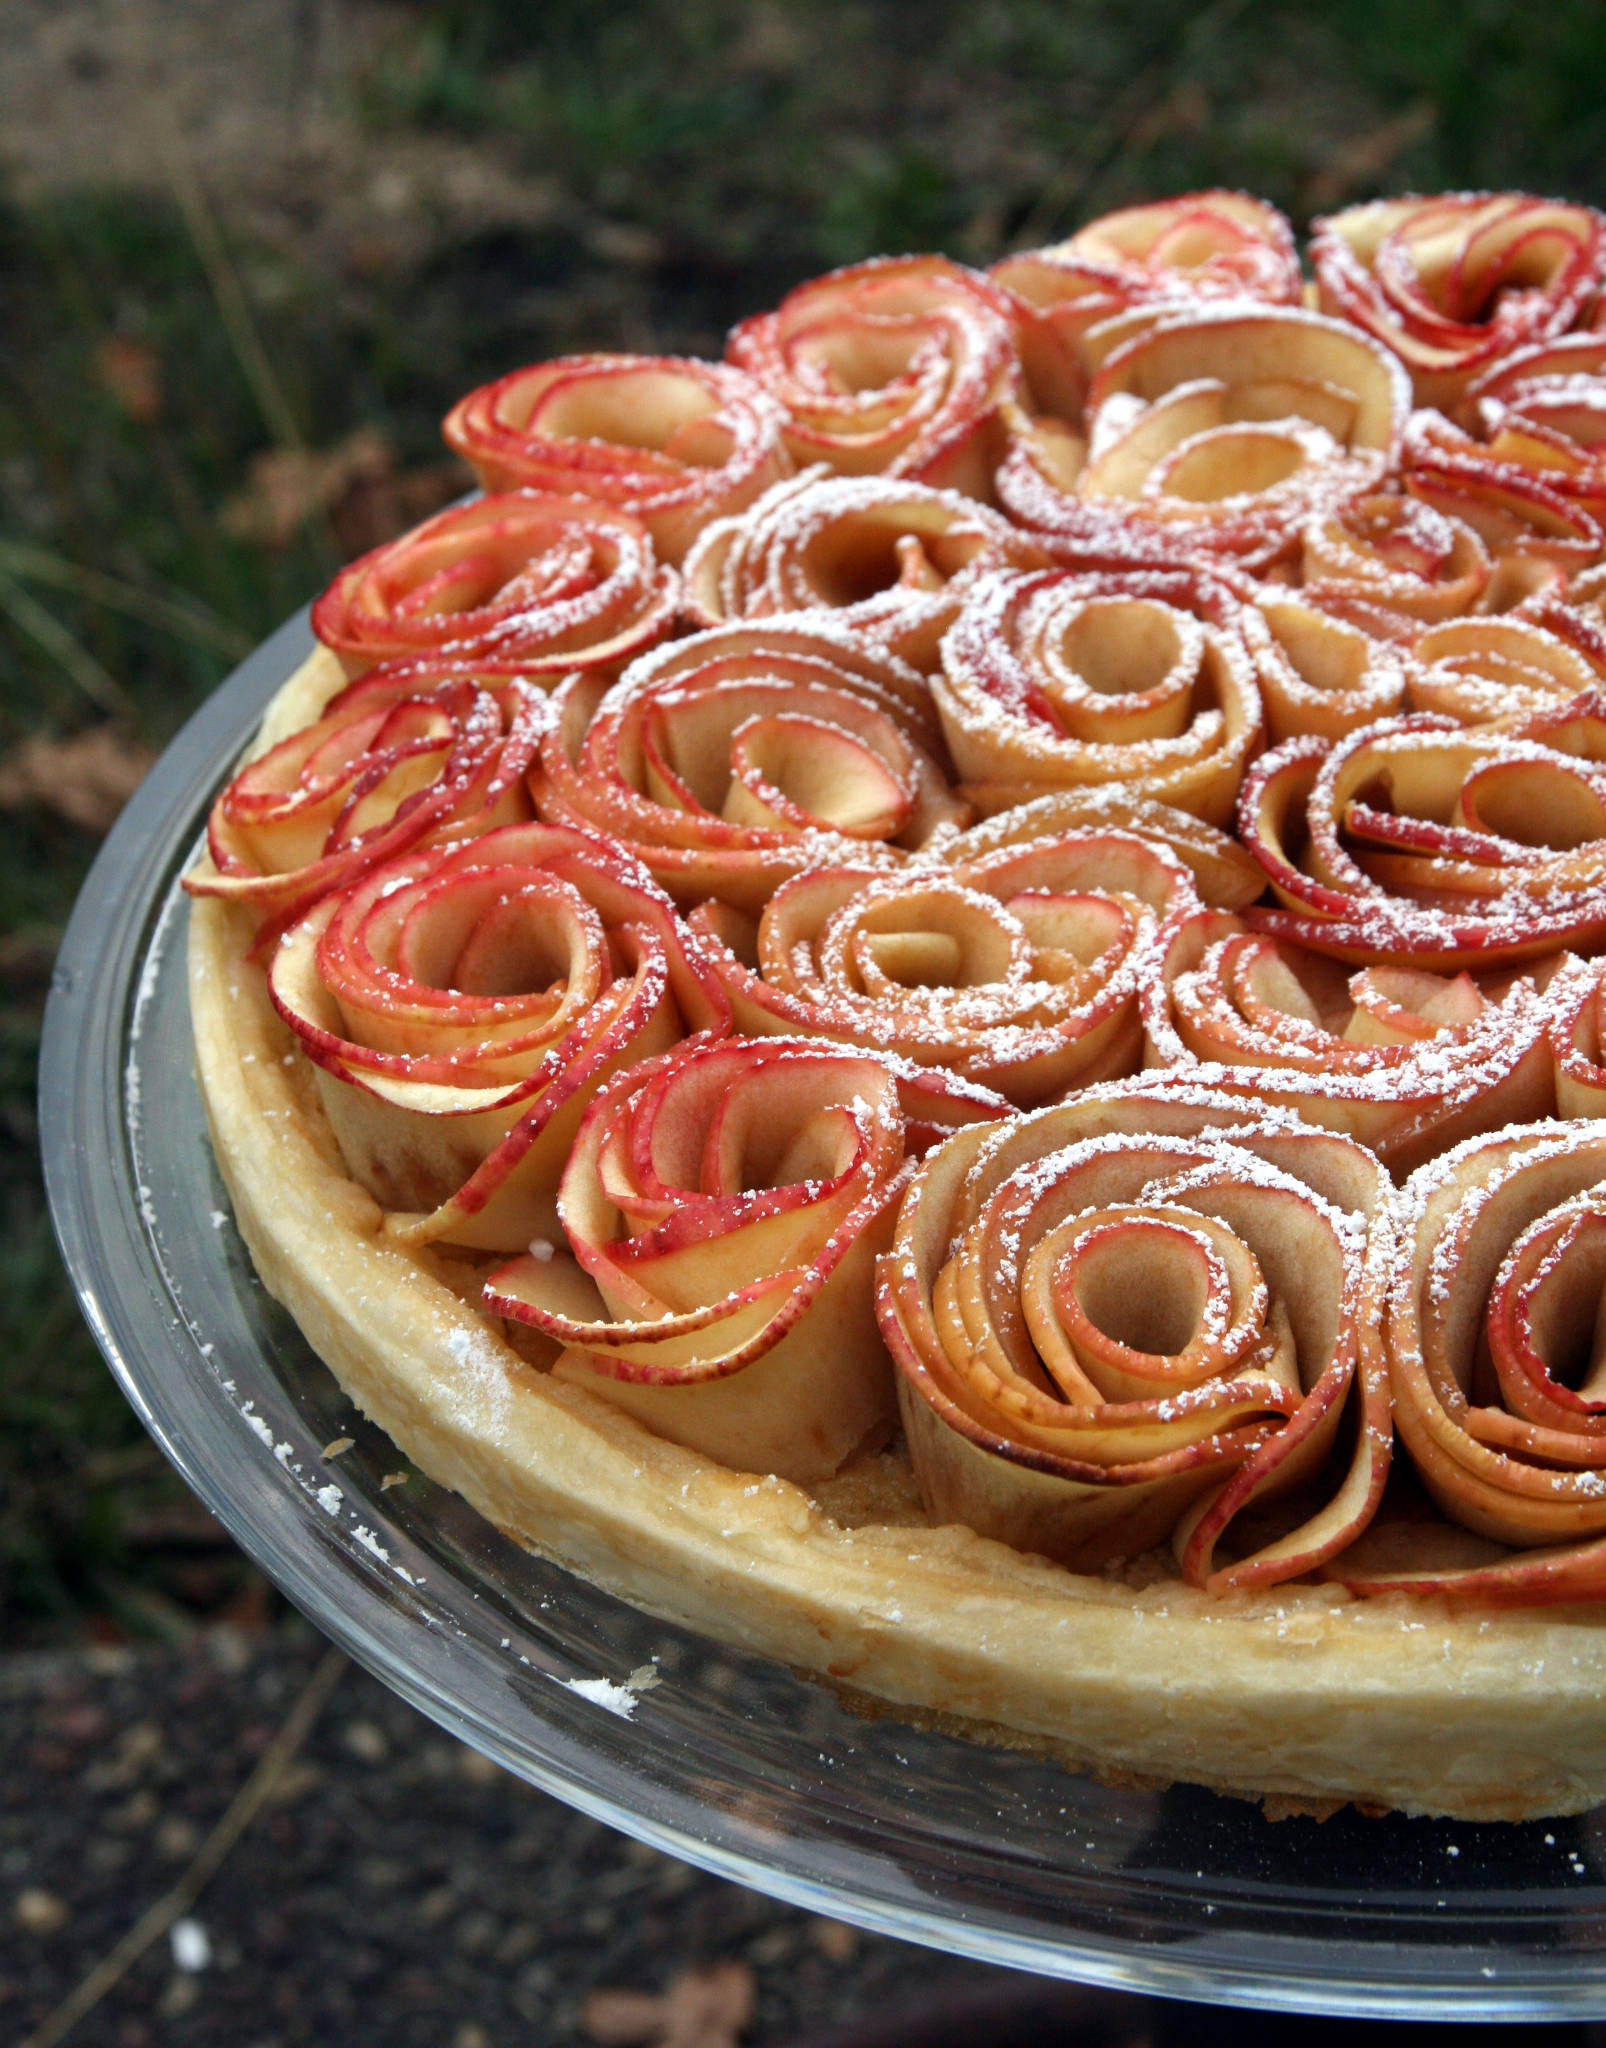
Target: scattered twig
point(46, 631)
point(1362, 159)
point(182, 616)
point(706, 2008)
point(156, 1920)
point(1106, 137)
point(233, 307)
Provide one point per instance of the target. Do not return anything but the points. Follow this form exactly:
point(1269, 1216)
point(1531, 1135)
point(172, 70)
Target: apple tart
point(933, 998)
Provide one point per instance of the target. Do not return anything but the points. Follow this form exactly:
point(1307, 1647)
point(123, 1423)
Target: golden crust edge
point(1304, 1695)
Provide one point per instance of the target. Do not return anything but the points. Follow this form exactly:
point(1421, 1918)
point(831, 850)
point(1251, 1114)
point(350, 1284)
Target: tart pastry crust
point(1302, 1693)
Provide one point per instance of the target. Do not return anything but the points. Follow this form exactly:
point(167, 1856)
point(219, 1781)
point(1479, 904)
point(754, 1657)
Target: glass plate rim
point(110, 960)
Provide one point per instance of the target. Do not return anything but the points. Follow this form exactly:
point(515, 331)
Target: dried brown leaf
point(374, 509)
point(86, 779)
point(289, 486)
point(132, 372)
point(1185, 111)
point(355, 485)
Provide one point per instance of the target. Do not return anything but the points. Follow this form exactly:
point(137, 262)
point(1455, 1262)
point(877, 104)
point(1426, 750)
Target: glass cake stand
point(729, 1761)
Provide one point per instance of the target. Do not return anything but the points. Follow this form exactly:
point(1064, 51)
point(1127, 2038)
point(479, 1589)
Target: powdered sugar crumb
point(602, 1692)
point(256, 1424)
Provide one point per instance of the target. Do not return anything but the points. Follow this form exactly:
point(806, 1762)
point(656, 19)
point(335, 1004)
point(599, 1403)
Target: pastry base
point(1305, 1697)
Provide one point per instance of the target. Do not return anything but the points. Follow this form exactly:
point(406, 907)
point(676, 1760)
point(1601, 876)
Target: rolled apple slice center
point(1403, 1005)
point(675, 1146)
point(1119, 670)
point(649, 410)
point(863, 945)
point(864, 357)
point(777, 756)
point(1197, 241)
point(1539, 804)
point(464, 573)
point(575, 570)
point(1486, 668)
point(872, 554)
point(384, 788)
point(1272, 988)
point(1339, 372)
point(1142, 1303)
point(484, 956)
point(1315, 655)
point(804, 773)
point(284, 811)
point(1238, 459)
point(1393, 541)
point(1077, 942)
point(891, 961)
point(1515, 256)
point(515, 942)
point(781, 1126)
point(1547, 1323)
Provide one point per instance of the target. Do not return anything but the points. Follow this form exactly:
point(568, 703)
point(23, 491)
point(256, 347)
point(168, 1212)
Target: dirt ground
point(396, 1890)
point(262, 96)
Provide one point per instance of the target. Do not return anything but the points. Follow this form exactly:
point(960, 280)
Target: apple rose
point(1407, 1062)
point(892, 559)
point(738, 757)
point(1217, 431)
point(1020, 969)
point(1056, 681)
point(725, 1205)
point(1419, 844)
point(1544, 409)
point(1523, 513)
point(1320, 669)
point(1456, 283)
point(413, 754)
point(895, 367)
point(1201, 245)
point(673, 441)
point(1398, 554)
point(1223, 874)
point(1144, 1317)
point(552, 583)
point(462, 1006)
point(1477, 671)
point(1496, 1362)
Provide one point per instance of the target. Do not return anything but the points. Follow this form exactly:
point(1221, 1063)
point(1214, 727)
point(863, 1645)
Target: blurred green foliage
point(834, 130)
point(696, 161)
